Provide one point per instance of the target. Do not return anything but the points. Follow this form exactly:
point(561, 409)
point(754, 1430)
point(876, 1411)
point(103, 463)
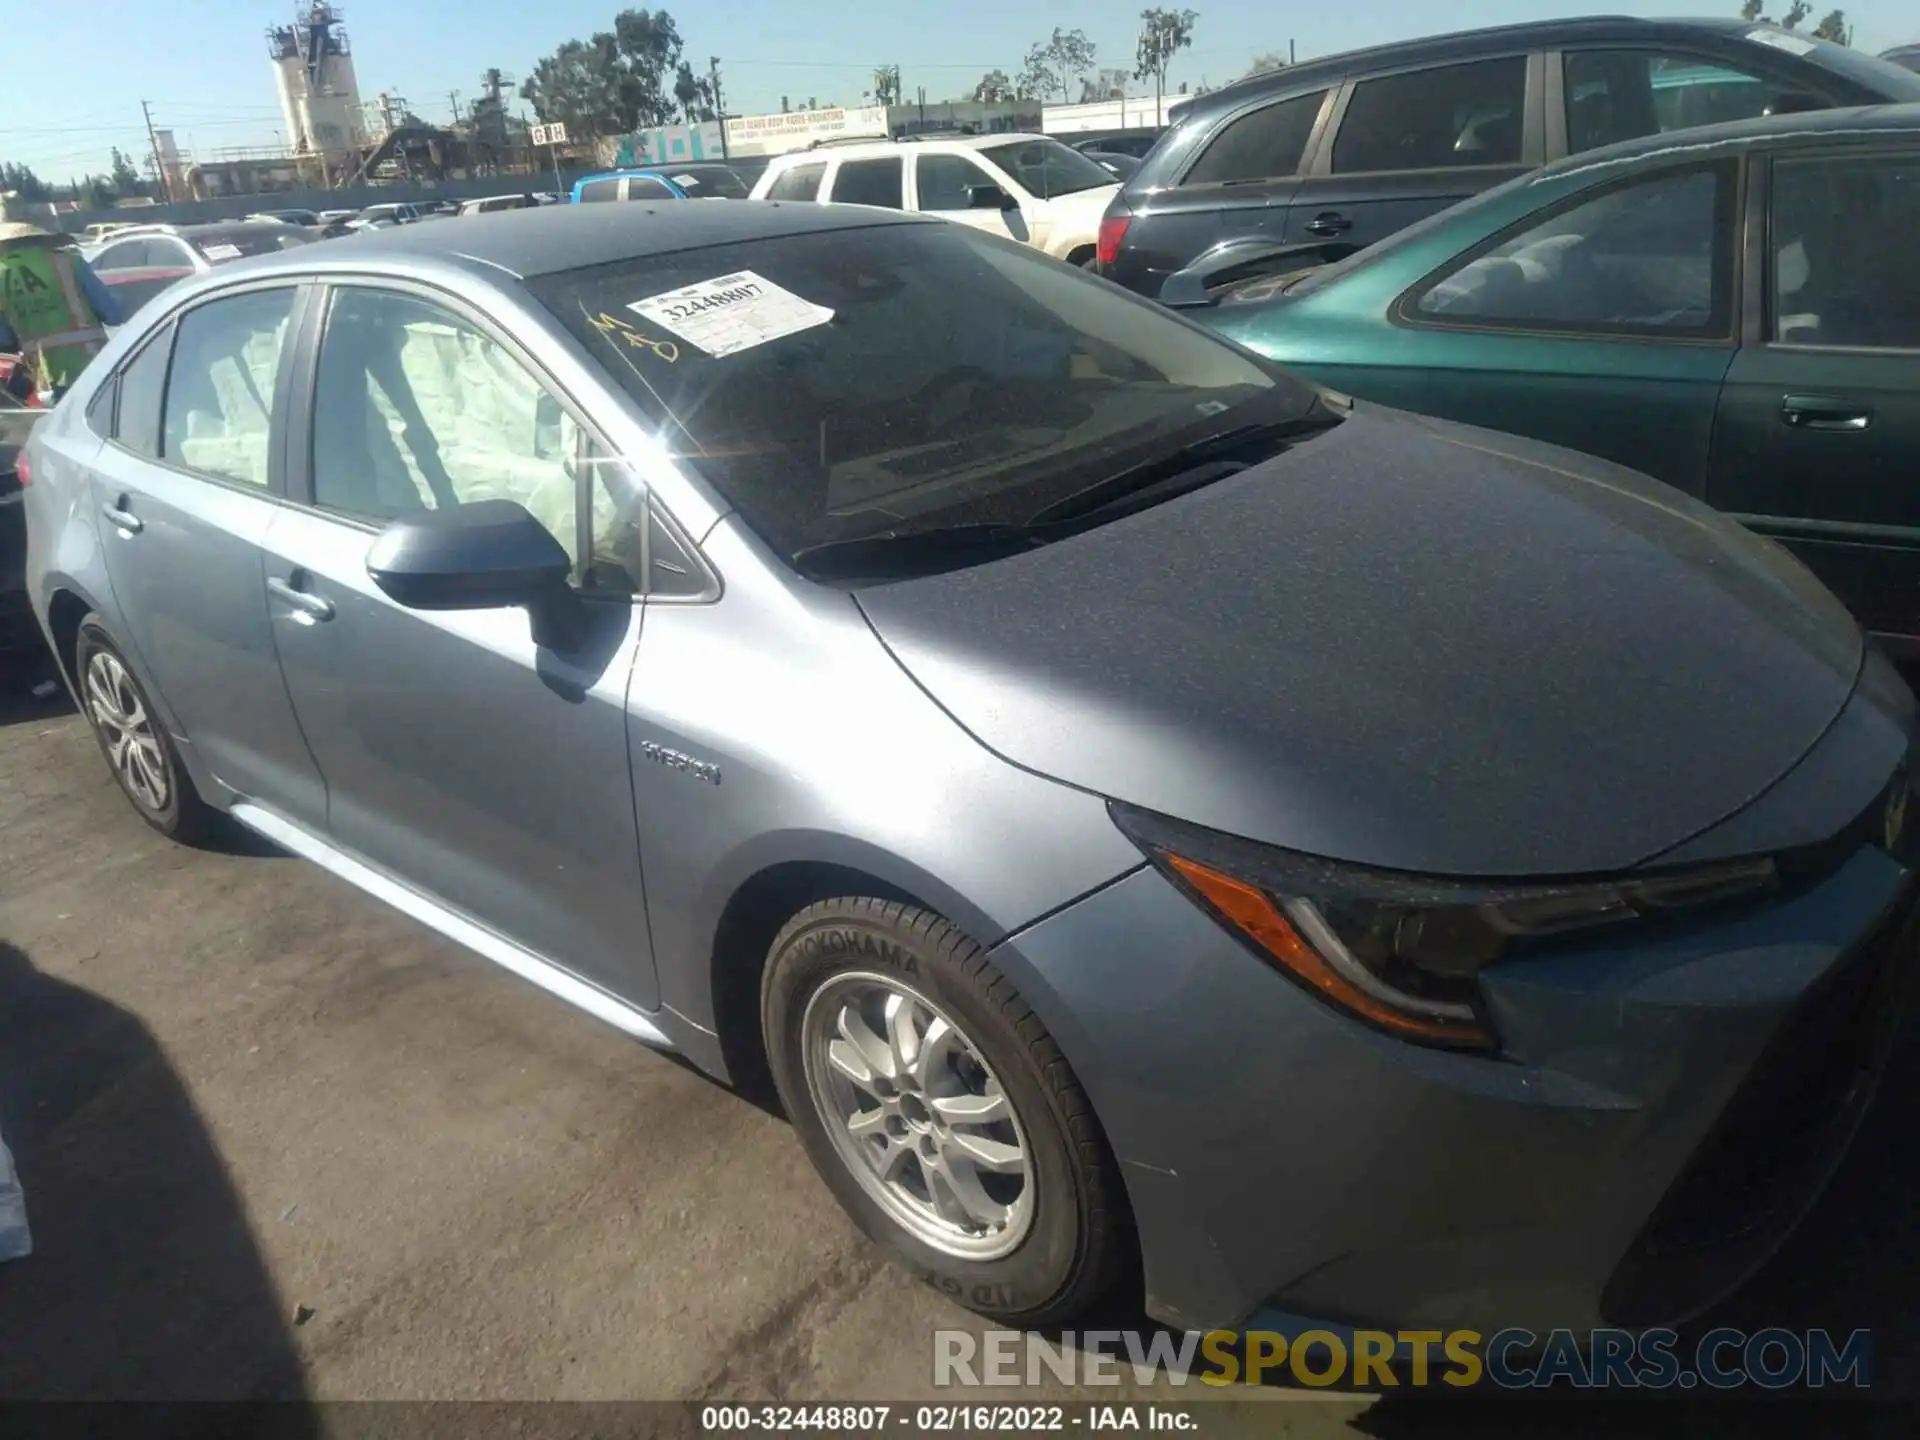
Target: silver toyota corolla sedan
point(1131, 803)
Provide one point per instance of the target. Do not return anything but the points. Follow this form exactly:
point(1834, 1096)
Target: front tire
point(133, 739)
point(939, 1111)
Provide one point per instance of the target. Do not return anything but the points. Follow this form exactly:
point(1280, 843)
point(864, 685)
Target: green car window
point(1615, 95)
point(1845, 269)
point(1650, 256)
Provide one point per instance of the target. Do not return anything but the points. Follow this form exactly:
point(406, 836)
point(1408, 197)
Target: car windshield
point(847, 384)
point(220, 246)
point(1046, 167)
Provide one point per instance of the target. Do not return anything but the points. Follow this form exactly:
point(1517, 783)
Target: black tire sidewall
point(1053, 1254)
point(93, 640)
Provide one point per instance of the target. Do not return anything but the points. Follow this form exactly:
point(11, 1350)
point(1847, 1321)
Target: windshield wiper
point(1187, 468)
point(912, 552)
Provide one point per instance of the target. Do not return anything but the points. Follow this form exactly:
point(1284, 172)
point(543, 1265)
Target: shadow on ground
point(145, 1281)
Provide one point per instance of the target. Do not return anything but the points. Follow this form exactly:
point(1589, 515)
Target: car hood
point(1405, 643)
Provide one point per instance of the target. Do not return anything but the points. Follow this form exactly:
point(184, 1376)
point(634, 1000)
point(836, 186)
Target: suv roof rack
point(828, 141)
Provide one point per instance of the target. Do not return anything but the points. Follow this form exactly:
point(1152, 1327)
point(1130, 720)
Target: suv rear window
point(853, 425)
point(1267, 143)
point(1435, 119)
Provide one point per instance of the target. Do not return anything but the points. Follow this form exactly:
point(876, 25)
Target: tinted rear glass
point(1267, 143)
point(1042, 378)
point(869, 182)
point(220, 246)
point(1434, 119)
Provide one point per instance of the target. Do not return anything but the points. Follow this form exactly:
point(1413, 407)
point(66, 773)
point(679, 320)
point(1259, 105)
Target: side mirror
point(990, 197)
point(489, 555)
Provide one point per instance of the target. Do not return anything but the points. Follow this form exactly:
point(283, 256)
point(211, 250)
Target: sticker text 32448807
point(731, 312)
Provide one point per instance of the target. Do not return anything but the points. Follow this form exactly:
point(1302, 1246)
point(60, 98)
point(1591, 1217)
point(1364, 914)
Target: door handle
point(123, 517)
point(1329, 222)
point(1824, 412)
point(310, 607)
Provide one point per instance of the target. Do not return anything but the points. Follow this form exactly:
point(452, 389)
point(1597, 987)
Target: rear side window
point(802, 182)
point(869, 182)
point(1846, 270)
point(142, 385)
point(1269, 142)
point(595, 190)
point(1654, 257)
point(1435, 119)
point(1624, 94)
point(219, 404)
point(648, 187)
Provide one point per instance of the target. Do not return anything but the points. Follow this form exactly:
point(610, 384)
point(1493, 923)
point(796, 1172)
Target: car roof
point(550, 238)
point(1863, 121)
point(1526, 35)
point(859, 149)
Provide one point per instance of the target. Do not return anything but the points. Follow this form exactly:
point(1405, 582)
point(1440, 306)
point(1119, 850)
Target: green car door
point(1598, 316)
point(1817, 441)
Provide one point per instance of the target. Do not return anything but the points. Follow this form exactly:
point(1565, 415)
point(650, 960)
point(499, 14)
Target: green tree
point(1833, 26)
point(1163, 34)
point(994, 89)
point(125, 177)
point(614, 82)
point(22, 179)
point(694, 94)
point(1270, 60)
point(1054, 64)
point(1750, 11)
point(886, 85)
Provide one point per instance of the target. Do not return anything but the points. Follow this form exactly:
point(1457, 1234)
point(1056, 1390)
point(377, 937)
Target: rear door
point(462, 758)
point(1818, 437)
point(1238, 185)
point(1403, 145)
point(186, 488)
point(1604, 323)
point(878, 181)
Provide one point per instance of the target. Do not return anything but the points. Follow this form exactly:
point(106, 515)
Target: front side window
point(1845, 263)
point(944, 181)
point(869, 182)
point(598, 190)
point(1436, 119)
point(418, 409)
point(1264, 145)
point(1654, 257)
point(219, 403)
point(1046, 168)
point(648, 187)
point(1617, 95)
point(837, 419)
point(802, 182)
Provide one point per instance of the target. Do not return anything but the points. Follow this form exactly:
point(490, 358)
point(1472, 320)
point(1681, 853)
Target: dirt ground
point(278, 1140)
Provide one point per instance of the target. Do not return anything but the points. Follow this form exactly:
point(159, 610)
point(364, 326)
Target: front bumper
point(1661, 1116)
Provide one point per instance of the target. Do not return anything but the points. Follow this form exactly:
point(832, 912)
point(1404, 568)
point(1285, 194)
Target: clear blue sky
point(76, 90)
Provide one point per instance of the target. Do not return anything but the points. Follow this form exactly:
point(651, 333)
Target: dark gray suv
point(1339, 152)
point(1133, 802)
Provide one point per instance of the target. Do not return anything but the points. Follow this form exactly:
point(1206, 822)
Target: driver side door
point(941, 184)
point(467, 762)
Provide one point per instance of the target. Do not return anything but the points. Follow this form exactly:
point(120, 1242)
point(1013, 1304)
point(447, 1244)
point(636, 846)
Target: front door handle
point(1329, 222)
point(1824, 412)
point(118, 513)
point(309, 607)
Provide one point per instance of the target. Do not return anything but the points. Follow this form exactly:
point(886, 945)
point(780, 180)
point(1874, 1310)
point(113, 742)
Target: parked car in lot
point(1739, 317)
point(1046, 751)
point(491, 203)
point(1906, 56)
point(1353, 147)
point(139, 263)
point(1136, 142)
point(701, 181)
point(377, 216)
point(1029, 188)
point(288, 217)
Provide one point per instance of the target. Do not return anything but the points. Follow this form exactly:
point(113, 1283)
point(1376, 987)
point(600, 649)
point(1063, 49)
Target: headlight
point(1399, 951)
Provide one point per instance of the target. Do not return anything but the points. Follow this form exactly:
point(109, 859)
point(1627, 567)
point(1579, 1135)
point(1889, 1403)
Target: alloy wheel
point(918, 1116)
point(126, 728)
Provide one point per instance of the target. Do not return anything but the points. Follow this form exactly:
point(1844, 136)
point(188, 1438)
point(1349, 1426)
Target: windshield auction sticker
point(731, 313)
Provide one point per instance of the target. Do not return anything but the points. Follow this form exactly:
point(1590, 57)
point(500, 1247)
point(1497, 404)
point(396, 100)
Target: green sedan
point(1735, 310)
